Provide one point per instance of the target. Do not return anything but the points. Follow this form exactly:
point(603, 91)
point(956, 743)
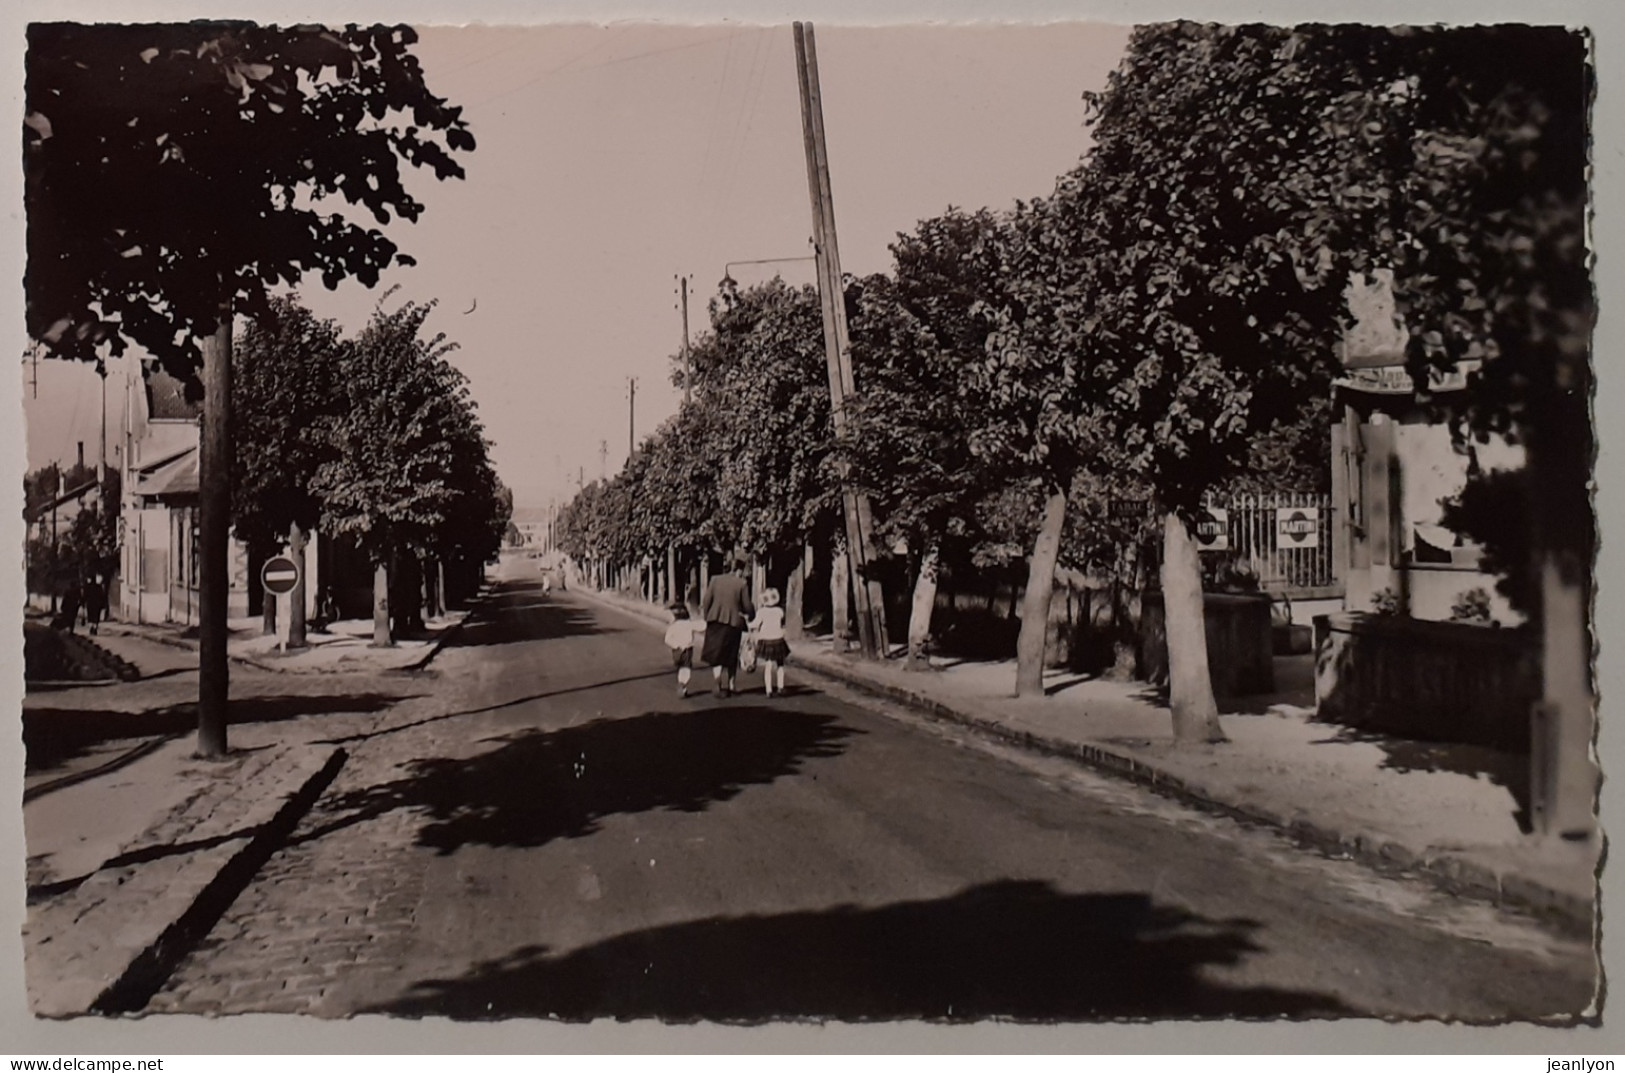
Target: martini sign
point(1297, 527)
point(1213, 529)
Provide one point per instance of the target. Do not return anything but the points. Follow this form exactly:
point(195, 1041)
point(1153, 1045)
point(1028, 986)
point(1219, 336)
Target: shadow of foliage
point(520, 611)
point(1011, 949)
point(53, 736)
point(1509, 770)
point(539, 785)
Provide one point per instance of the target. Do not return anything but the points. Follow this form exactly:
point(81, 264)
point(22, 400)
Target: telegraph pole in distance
point(631, 416)
point(860, 548)
point(687, 371)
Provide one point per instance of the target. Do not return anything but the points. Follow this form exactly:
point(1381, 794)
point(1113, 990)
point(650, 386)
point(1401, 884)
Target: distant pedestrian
point(726, 608)
point(771, 647)
point(95, 603)
point(680, 637)
point(72, 600)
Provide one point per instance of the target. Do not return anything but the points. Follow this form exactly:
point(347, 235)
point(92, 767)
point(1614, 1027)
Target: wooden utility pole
point(631, 417)
point(688, 373)
point(870, 603)
point(214, 488)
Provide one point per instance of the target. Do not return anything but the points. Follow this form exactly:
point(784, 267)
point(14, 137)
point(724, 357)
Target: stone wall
point(1430, 681)
point(1240, 646)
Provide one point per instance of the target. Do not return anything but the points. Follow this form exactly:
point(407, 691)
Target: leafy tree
point(403, 455)
point(176, 173)
point(286, 382)
point(1044, 416)
point(765, 378)
point(913, 339)
point(1187, 278)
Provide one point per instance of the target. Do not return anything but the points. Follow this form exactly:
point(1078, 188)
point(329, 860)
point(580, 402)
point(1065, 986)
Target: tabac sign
point(1297, 527)
point(1396, 380)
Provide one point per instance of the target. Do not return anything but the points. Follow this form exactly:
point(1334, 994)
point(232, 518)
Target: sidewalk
point(345, 646)
point(133, 853)
point(1447, 812)
point(125, 871)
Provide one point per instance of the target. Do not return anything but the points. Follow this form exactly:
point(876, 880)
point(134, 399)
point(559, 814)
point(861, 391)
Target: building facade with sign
point(1394, 464)
point(158, 520)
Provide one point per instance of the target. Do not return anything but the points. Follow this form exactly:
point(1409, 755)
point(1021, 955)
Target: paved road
point(554, 832)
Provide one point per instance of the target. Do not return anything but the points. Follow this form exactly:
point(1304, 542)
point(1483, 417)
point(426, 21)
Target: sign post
point(279, 575)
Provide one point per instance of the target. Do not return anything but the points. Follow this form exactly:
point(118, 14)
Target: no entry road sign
point(279, 575)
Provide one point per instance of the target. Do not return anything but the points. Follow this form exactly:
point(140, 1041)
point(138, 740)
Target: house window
point(1433, 470)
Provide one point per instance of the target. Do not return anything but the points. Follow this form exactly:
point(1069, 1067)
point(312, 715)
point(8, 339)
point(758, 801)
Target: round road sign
point(279, 575)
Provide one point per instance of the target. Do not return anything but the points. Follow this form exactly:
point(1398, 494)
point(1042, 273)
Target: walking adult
point(726, 609)
point(95, 603)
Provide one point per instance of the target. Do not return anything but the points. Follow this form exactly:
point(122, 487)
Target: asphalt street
point(547, 829)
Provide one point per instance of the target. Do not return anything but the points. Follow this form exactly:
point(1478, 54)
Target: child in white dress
point(680, 639)
point(771, 648)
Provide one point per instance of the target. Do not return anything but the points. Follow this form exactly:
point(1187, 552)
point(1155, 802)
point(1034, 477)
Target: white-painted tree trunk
point(1190, 686)
point(920, 611)
point(1036, 600)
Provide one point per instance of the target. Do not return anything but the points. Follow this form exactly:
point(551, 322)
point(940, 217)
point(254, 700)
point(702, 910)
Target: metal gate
point(1255, 540)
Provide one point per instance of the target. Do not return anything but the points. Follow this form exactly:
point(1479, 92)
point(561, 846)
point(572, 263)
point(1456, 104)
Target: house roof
point(174, 476)
point(66, 497)
point(166, 397)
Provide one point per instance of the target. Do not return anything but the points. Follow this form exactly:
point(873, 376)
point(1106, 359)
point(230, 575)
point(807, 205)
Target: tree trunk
point(1035, 600)
point(1190, 687)
point(256, 591)
point(434, 599)
point(919, 617)
point(296, 598)
point(214, 579)
point(795, 596)
point(380, 607)
point(840, 583)
point(673, 594)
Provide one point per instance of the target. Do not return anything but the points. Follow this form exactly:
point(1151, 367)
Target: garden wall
point(1430, 681)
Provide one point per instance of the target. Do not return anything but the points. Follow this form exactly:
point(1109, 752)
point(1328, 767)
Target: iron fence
point(1285, 540)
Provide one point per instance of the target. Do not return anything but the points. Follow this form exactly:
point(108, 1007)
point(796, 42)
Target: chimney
point(81, 454)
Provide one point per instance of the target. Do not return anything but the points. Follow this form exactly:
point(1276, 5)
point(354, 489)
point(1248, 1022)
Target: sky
point(612, 160)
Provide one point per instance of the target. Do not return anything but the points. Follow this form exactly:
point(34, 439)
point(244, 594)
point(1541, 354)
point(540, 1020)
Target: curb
point(445, 637)
point(1450, 872)
point(1455, 874)
point(123, 669)
point(130, 757)
point(149, 970)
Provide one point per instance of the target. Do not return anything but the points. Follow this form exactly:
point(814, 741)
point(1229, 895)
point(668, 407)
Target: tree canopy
point(286, 385)
point(171, 167)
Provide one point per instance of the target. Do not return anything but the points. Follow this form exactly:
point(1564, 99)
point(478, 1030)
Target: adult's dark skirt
point(721, 648)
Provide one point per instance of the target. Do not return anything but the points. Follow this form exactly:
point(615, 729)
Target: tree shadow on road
point(538, 785)
point(517, 614)
point(530, 698)
point(54, 736)
point(1011, 949)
